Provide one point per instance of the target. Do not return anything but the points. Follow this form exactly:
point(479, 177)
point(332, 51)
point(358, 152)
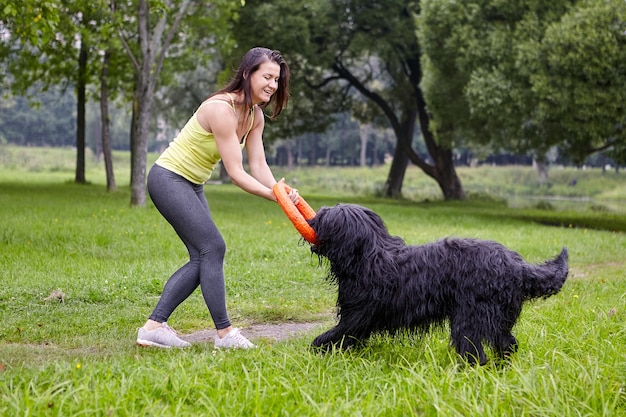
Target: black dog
point(384, 285)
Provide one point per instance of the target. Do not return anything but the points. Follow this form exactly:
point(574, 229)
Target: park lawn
point(78, 357)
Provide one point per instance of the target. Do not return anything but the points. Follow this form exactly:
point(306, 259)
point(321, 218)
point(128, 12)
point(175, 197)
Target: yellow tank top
point(193, 153)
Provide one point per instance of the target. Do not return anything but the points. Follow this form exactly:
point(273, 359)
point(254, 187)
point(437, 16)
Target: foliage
point(33, 20)
point(581, 79)
point(78, 356)
point(51, 57)
point(527, 75)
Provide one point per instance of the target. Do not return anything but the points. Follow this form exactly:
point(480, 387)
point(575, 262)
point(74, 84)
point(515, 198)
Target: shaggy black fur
point(384, 285)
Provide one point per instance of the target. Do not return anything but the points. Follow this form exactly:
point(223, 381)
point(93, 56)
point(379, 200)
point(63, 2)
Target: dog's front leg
point(334, 338)
point(351, 329)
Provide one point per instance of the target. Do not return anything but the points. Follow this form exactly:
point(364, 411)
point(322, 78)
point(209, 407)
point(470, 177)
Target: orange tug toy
point(298, 214)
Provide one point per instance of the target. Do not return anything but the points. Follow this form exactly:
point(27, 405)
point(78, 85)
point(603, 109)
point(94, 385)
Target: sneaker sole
point(147, 343)
point(253, 346)
point(235, 347)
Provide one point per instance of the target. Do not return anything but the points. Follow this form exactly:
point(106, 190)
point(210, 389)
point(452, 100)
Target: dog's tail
point(546, 279)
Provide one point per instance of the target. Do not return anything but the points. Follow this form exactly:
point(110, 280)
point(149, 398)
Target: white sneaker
point(163, 337)
point(234, 340)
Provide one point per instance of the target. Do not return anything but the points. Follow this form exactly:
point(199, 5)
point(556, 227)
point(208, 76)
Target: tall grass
point(78, 357)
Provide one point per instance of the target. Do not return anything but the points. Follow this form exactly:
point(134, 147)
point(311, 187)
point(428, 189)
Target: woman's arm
point(256, 151)
point(256, 156)
point(222, 122)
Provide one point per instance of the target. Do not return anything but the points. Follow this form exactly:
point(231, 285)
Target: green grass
point(78, 357)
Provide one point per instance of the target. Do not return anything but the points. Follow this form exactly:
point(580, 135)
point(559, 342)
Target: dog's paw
point(321, 349)
point(323, 343)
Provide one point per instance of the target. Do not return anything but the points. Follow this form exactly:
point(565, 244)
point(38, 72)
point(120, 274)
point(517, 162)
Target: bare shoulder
point(217, 112)
point(218, 97)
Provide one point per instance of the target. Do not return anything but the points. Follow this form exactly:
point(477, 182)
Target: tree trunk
point(395, 178)
point(328, 153)
point(133, 129)
point(446, 177)
point(223, 174)
point(139, 142)
point(299, 153)
point(313, 151)
point(104, 115)
point(402, 154)
point(443, 170)
point(289, 154)
point(364, 133)
point(541, 164)
point(80, 114)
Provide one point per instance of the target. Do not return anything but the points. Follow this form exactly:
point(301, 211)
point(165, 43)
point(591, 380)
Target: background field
point(517, 185)
point(78, 357)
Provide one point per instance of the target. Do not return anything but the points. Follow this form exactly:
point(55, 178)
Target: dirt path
point(275, 332)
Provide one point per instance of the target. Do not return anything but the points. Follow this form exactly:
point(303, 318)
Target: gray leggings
point(185, 207)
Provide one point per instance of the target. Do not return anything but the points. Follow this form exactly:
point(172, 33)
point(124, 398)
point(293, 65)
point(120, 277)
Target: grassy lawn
point(78, 357)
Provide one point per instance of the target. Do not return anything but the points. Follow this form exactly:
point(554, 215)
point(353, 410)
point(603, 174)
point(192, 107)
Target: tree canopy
point(527, 76)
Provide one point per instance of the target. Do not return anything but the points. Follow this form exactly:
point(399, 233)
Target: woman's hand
point(293, 194)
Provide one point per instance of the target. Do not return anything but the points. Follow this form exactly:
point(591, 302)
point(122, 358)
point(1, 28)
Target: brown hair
point(249, 64)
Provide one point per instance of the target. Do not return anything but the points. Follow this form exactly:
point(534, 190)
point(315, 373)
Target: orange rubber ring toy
point(298, 214)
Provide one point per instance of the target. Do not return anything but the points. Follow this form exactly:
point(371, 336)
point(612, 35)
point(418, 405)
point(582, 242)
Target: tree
point(54, 43)
point(104, 113)
point(41, 38)
point(338, 47)
point(580, 79)
point(163, 30)
point(147, 62)
point(526, 76)
point(114, 80)
point(56, 37)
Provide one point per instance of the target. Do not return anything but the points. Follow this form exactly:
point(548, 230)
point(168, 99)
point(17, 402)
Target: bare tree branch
point(170, 35)
point(120, 34)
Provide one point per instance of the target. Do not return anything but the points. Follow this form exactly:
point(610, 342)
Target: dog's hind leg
point(501, 339)
point(466, 339)
point(505, 345)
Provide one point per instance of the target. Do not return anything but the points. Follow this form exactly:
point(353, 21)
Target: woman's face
point(264, 82)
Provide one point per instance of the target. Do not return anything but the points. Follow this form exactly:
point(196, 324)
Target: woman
point(221, 127)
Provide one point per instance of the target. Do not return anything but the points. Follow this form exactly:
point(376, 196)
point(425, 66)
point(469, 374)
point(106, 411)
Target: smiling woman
point(225, 123)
